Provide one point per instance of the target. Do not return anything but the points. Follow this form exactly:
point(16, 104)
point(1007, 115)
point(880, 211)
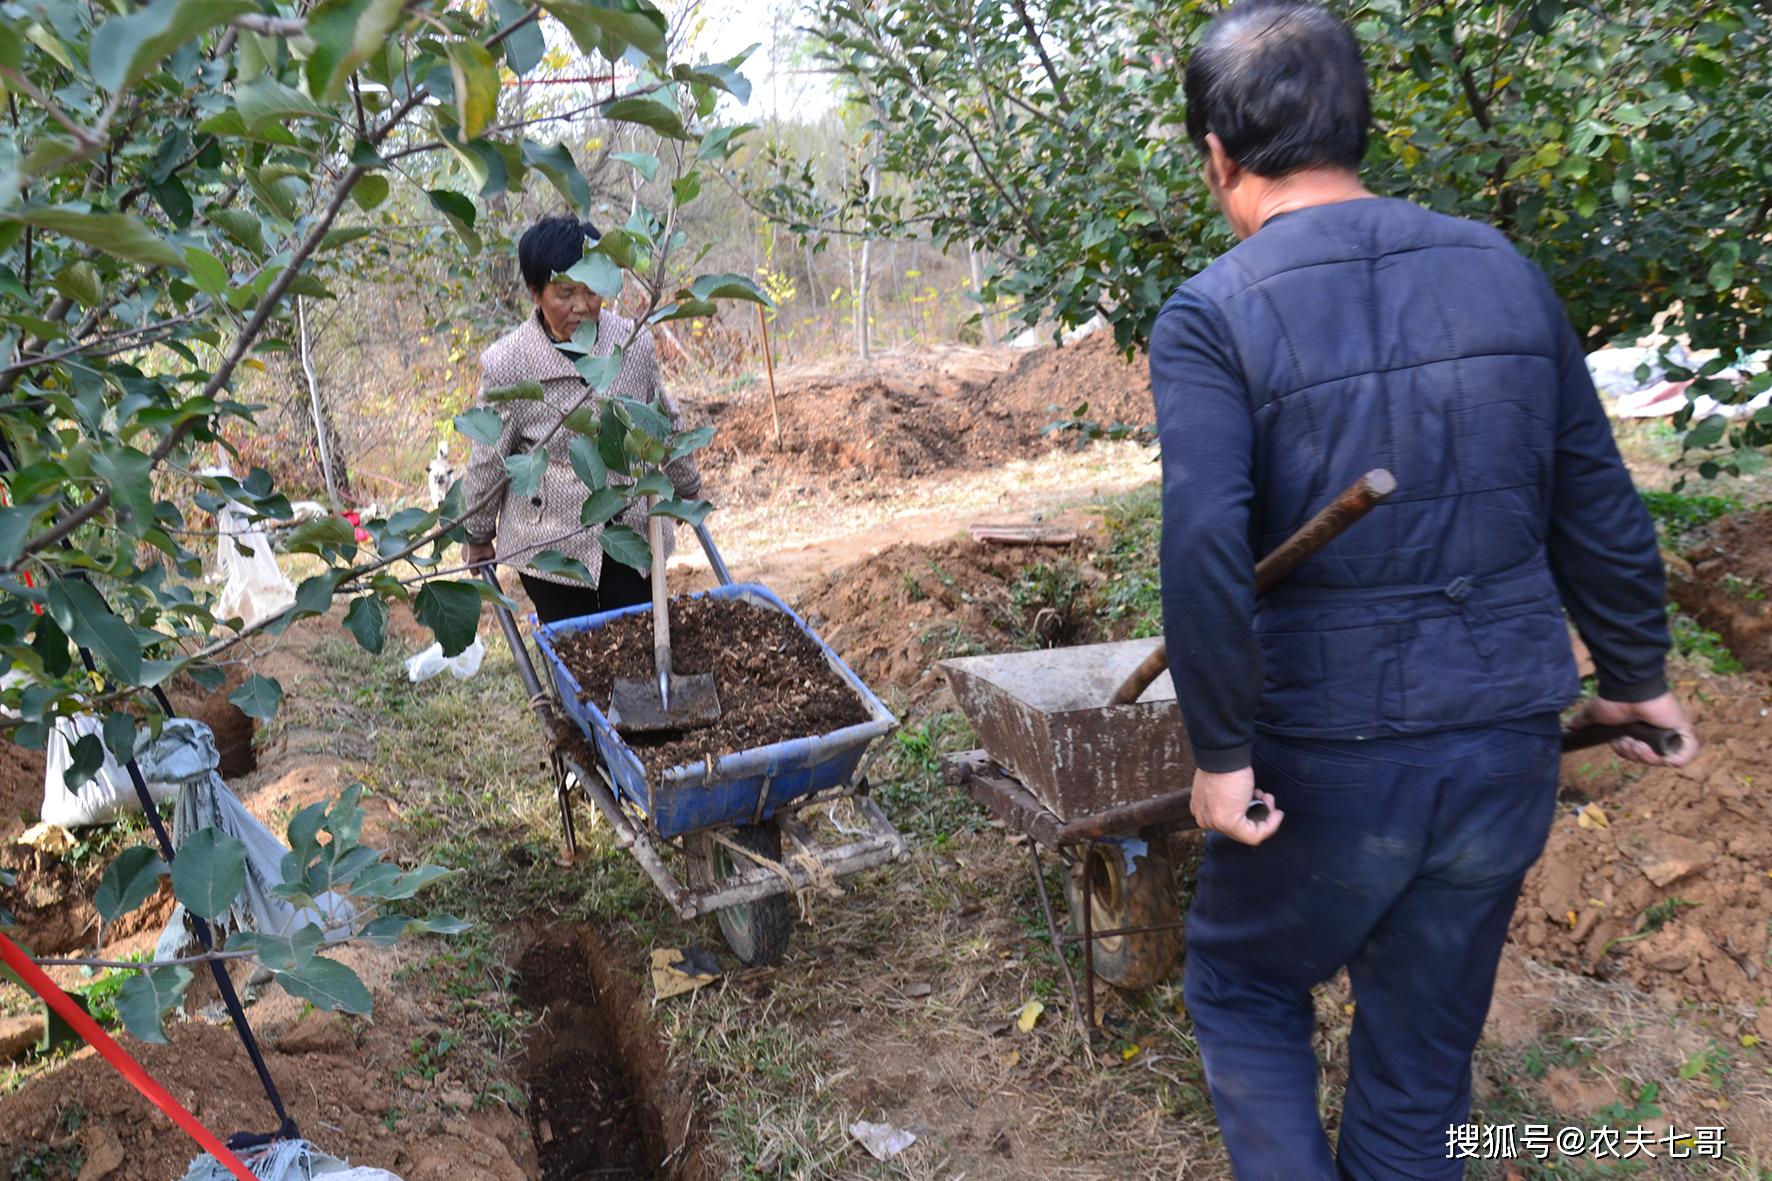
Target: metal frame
point(881, 844)
point(999, 792)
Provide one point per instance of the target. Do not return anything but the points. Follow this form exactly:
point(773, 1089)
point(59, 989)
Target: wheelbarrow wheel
point(1142, 898)
point(757, 932)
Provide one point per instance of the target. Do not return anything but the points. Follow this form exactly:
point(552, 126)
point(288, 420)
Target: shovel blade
point(635, 707)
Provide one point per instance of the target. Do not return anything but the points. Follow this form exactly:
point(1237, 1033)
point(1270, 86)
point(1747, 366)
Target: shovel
point(671, 702)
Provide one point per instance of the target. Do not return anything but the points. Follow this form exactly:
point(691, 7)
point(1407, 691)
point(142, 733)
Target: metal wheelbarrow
point(733, 821)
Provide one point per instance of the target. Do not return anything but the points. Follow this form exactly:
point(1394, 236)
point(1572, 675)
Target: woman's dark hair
point(1282, 85)
point(552, 245)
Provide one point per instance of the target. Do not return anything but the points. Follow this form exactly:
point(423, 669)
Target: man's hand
point(1665, 712)
point(1221, 802)
point(480, 553)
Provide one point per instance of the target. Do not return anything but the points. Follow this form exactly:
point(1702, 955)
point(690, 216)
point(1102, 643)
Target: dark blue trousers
point(1400, 858)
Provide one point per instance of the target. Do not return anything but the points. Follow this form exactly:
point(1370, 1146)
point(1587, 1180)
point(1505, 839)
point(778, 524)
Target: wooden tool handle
point(661, 621)
point(1662, 742)
point(1360, 498)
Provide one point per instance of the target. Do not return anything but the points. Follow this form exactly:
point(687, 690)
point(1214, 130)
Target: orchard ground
point(1636, 990)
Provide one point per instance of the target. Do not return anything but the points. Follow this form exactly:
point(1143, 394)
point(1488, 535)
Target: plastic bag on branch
point(109, 793)
point(254, 586)
point(431, 661)
point(286, 1160)
point(206, 802)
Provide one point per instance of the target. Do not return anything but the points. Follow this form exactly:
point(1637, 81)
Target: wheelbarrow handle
point(1662, 742)
point(713, 552)
point(1360, 498)
point(514, 639)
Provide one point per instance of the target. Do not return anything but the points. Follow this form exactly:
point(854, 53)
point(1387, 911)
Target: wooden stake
point(769, 364)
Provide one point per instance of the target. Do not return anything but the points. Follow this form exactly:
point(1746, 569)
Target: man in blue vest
point(1396, 701)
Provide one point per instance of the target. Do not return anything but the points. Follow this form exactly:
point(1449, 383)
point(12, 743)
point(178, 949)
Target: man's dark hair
point(551, 246)
point(1282, 85)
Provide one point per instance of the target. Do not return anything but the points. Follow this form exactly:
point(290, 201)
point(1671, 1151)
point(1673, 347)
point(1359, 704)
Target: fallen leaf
point(1592, 816)
point(1348, 1009)
point(1749, 1040)
point(1572, 920)
point(883, 1141)
point(1030, 1013)
point(1129, 1053)
point(1012, 1058)
point(919, 990)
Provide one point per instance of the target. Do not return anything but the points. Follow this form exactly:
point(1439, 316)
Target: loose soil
point(915, 412)
point(894, 615)
point(774, 683)
point(1672, 892)
point(1725, 583)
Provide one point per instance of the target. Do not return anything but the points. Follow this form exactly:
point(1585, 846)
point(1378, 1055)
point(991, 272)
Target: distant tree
point(1626, 147)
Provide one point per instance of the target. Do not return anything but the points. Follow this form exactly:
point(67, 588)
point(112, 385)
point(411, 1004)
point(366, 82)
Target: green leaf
point(647, 112)
point(242, 228)
point(209, 872)
point(481, 425)
point(265, 101)
point(346, 34)
point(718, 75)
point(391, 927)
point(458, 211)
point(126, 48)
point(116, 234)
point(452, 611)
point(82, 614)
point(281, 953)
point(587, 465)
point(608, 27)
point(314, 595)
point(645, 163)
point(647, 417)
point(691, 440)
point(625, 546)
point(1707, 433)
point(599, 372)
point(525, 48)
point(15, 530)
point(692, 512)
point(146, 998)
point(79, 282)
point(552, 561)
point(127, 882)
point(370, 191)
point(522, 391)
point(85, 757)
point(605, 504)
point(328, 985)
point(207, 271)
point(526, 471)
point(259, 697)
point(368, 621)
point(555, 162)
point(120, 735)
point(727, 286)
point(651, 484)
point(599, 273)
point(476, 86)
point(686, 188)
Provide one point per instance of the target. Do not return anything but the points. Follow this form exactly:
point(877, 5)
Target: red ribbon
point(70, 1011)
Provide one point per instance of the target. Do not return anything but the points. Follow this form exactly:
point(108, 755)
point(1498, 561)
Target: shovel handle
point(1663, 742)
point(661, 619)
point(1360, 498)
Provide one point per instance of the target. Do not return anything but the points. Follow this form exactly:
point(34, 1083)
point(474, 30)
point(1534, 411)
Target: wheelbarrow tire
point(1147, 897)
point(757, 932)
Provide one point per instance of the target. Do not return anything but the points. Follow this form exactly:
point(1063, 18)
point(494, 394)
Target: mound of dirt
point(21, 789)
point(1665, 882)
point(891, 617)
point(913, 413)
point(1727, 585)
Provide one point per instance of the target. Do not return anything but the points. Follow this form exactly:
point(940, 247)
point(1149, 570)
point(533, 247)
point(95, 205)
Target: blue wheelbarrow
point(733, 823)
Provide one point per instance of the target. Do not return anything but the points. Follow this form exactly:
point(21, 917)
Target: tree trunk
point(985, 319)
point(811, 273)
point(322, 428)
point(863, 280)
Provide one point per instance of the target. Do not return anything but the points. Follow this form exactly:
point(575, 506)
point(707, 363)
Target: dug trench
point(605, 1103)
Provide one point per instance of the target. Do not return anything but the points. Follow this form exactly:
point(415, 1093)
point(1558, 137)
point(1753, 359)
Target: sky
point(787, 87)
